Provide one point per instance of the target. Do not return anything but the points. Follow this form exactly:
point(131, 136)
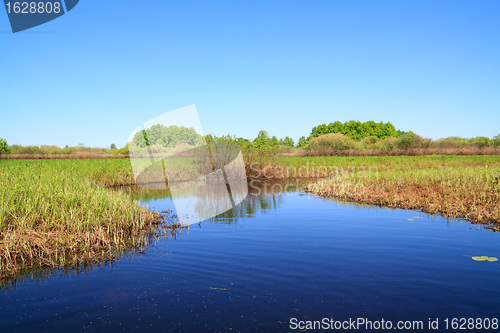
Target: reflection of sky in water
point(276, 255)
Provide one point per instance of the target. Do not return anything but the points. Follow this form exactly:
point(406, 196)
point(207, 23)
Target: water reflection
point(262, 196)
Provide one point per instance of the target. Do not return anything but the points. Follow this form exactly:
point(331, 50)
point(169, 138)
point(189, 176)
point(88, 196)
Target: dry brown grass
point(463, 151)
point(471, 193)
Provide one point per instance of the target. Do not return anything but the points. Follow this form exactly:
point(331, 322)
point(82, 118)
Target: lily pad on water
point(485, 258)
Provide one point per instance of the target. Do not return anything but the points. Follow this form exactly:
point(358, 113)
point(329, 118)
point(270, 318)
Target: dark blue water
point(276, 257)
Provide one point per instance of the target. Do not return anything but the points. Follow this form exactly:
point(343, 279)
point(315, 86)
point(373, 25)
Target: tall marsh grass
point(455, 187)
point(52, 214)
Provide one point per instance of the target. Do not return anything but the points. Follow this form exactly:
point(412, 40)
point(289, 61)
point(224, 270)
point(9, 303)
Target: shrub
point(330, 142)
point(481, 142)
point(411, 140)
point(369, 142)
point(124, 150)
point(356, 129)
point(496, 141)
point(451, 142)
point(4, 147)
point(50, 150)
point(302, 142)
point(285, 150)
point(388, 143)
point(287, 141)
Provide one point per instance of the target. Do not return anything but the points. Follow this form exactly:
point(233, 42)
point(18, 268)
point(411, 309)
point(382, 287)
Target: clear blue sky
point(96, 73)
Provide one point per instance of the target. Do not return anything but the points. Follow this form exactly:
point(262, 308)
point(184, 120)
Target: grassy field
point(454, 186)
point(60, 213)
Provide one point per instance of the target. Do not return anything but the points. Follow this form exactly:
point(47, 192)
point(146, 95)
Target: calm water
point(277, 256)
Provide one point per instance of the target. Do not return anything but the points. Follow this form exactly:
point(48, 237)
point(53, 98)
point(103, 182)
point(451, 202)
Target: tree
point(481, 141)
point(302, 142)
point(261, 140)
point(4, 147)
point(356, 129)
point(168, 136)
point(263, 135)
point(113, 146)
point(287, 141)
point(496, 140)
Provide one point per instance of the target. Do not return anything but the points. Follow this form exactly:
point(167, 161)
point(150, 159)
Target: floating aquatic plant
point(485, 258)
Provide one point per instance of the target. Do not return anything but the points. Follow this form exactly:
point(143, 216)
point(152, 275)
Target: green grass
point(453, 186)
point(55, 213)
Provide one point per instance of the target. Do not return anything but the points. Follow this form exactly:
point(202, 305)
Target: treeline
point(50, 150)
point(407, 143)
point(350, 137)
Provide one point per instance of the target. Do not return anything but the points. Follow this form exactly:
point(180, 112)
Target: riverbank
point(52, 215)
point(471, 192)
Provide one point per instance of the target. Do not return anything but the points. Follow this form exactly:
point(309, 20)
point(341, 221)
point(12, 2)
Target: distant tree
point(113, 146)
point(302, 142)
point(481, 141)
point(209, 138)
point(261, 140)
point(496, 140)
point(356, 129)
point(168, 136)
point(4, 147)
point(263, 135)
point(287, 141)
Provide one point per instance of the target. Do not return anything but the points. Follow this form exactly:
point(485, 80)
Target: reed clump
point(53, 215)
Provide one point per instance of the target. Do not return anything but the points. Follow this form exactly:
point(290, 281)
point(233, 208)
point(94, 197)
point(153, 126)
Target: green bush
point(330, 142)
point(302, 142)
point(496, 141)
point(388, 143)
point(123, 150)
point(369, 142)
point(4, 147)
point(481, 142)
point(451, 142)
point(411, 140)
point(287, 141)
point(356, 129)
point(17, 149)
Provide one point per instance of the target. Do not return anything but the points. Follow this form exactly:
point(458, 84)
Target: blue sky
point(96, 73)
